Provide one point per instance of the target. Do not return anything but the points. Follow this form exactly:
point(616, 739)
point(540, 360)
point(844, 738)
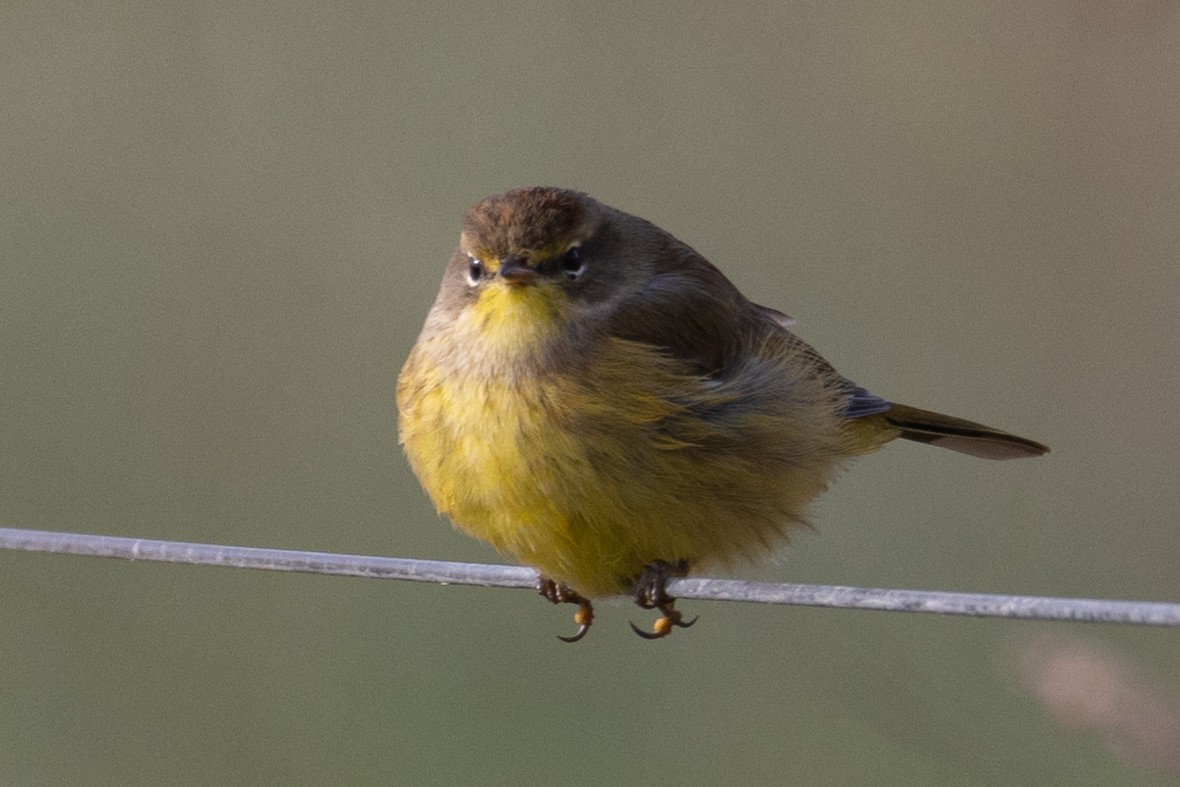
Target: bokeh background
point(221, 225)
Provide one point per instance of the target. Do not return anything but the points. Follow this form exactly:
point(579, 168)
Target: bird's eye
point(573, 264)
point(474, 271)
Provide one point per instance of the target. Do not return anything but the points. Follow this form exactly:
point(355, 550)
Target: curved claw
point(582, 629)
point(583, 617)
point(649, 634)
point(663, 626)
point(650, 593)
point(557, 593)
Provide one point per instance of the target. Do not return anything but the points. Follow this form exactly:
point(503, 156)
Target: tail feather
point(957, 434)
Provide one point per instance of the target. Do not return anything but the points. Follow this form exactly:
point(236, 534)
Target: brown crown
point(524, 220)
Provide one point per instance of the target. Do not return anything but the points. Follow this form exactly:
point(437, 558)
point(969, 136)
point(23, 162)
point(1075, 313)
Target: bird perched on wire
point(596, 400)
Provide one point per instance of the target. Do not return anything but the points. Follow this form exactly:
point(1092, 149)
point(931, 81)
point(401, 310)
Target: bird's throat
point(511, 320)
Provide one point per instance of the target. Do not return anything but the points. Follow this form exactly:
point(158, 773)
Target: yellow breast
point(592, 472)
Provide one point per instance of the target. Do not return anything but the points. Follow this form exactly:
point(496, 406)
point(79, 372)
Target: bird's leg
point(651, 593)
point(558, 593)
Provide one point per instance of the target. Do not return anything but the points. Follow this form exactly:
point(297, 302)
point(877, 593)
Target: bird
point(596, 400)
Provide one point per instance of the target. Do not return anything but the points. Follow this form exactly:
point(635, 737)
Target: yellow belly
point(591, 473)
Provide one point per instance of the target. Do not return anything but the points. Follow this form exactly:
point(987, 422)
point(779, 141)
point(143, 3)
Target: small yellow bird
point(596, 400)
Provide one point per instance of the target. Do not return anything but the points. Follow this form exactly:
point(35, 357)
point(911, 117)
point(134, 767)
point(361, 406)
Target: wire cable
point(1078, 610)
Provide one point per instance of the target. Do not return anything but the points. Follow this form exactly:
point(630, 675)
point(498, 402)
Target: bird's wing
point(692, 312)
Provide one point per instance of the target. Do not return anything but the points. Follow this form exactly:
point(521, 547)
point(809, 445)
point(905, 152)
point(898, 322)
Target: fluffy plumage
point(590, 395)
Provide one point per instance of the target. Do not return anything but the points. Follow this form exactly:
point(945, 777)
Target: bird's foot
point(558, 593)
point(651, 593)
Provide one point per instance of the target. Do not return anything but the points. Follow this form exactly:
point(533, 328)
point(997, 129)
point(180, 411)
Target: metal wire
point(1078, 610)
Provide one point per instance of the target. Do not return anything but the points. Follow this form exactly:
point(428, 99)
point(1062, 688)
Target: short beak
point(515, 271)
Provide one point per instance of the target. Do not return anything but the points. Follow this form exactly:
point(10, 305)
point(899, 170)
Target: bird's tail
point(957, 434)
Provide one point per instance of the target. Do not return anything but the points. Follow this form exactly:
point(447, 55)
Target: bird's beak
point(515, 271)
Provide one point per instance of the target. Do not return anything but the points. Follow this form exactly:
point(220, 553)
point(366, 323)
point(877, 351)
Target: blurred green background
point(221, 225)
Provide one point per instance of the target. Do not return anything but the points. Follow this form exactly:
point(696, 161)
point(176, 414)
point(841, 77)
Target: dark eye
point(474, 271)
point(572, 263)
